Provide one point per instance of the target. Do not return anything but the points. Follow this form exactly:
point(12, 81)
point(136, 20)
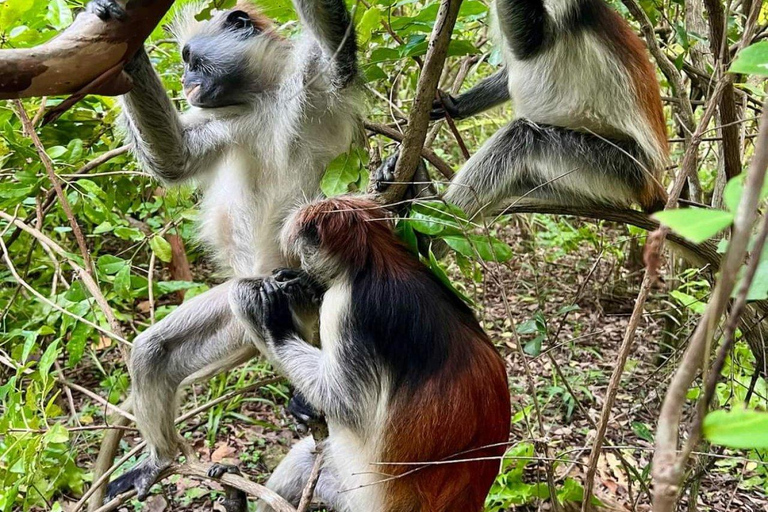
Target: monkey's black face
point(216, 63)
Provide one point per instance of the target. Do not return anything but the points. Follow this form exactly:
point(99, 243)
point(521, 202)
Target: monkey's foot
point(106, 9)
point(235, 500)
point(302, 410)
point(141, 478)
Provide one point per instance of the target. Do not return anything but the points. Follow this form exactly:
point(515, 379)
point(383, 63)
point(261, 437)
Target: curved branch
point(86, 58)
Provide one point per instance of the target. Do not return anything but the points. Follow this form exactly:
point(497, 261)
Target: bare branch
point(668, 468)
point(418, 122)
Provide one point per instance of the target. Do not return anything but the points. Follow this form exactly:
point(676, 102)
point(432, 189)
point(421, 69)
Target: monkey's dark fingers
point(445, 104)
point(235, 499)
point(106, 10)
point(302, 410)
point(276, 314)
point(385, 174)
point(217, 470)
point(284, 275)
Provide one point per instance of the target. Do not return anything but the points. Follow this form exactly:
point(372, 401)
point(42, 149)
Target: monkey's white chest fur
point(276, 160)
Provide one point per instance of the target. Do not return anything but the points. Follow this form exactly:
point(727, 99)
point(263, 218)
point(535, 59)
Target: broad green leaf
point(695, 224)
point(733, 191)
point(59, 14)
point(752, 60)
point(437, 269)
point(487, 247)
point(436, 218)
point(342, 173)
point(56, 434)
point(129, 233)
point(739, 428)
point(370, 21)
point(123, 282)
point(110, 264)
point(161, 248)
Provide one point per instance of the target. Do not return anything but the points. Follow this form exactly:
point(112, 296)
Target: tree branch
point(418, 122)
point(668, 468)
point(87, 58)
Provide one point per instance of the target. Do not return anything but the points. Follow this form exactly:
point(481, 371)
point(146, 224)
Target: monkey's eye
point(238, 20)
point(185, 53)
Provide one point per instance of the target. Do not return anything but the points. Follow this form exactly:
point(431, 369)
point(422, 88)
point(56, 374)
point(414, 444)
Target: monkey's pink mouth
point(190, 92)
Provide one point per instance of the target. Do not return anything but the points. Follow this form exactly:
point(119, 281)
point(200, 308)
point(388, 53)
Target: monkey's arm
point(319, 375)
point(200, 333)
point(173, 148)
point(491, 91)
point(332, 27)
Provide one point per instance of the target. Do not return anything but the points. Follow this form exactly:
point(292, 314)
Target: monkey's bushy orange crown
point(356, 231)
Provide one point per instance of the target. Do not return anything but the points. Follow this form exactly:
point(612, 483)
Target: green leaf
point(129, 233)
point(123, 282)
point(752, 60)
point(59, 14)
point(436, 218)
point(695, 224)
point(342, 172)
point(436, 269)
point(48, 357)
point(370, 21)
point(739, 428)
point(110, 264)
point(487, 247)
point(161, 248)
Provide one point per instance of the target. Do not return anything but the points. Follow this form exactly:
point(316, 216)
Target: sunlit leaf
point(695, 224)
point(739, 428)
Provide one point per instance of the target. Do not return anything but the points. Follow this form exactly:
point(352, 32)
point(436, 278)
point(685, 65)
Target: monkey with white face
point(589, 125)
point(404, 372)
point(267, 115)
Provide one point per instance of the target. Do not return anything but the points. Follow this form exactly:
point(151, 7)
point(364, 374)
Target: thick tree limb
point(87, 58)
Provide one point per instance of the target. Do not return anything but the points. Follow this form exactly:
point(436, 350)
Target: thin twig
point(668, 468)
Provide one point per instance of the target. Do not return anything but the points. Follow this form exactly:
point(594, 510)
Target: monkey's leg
point(200, 333)
point(292, 475)
point(524, 159)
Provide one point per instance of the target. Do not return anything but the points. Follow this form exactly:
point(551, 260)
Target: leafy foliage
point(129, 222)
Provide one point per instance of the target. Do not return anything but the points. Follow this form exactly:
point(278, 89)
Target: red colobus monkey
point(589, 125)
point(404, 374)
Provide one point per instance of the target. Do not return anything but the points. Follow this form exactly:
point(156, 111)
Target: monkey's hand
point(446, 104)
point(384, 176)
point(419, 187)
point(106, 10)
point(302, 289)
point(141, 478)
point(276, 317)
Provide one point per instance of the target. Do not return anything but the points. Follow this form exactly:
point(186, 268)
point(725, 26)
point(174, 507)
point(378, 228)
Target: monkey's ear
point(238, 20)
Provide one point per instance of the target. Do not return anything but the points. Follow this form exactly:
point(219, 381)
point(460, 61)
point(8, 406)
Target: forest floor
point(571, 306)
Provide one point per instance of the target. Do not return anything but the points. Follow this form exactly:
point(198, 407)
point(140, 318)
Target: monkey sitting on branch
point(589, 125)
point(268, 114)
point(414, 393)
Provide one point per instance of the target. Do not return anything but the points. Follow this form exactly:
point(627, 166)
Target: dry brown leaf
point(222, 452)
